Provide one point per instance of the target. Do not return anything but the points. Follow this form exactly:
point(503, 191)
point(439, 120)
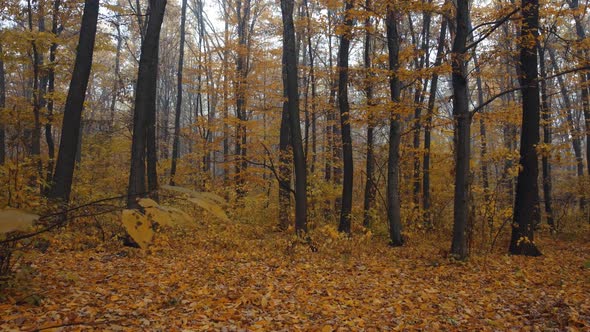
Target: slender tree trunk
point(284, 168)
point(225, 69)
point(344, 107)
point(584, 80)
point(51, 90)
point(370, 185)
point(176, 139)
point(64, 170)
point(418, 100)
point(393, 197)
point(2, 106)
point(573, 126)
point(243, 11)
point(485, 181)
point(145, 103)
point(115, 92)
point(428, 125)
point(546, 117)
point(462, 121)
point(290, 80)
point(312, 80)
point(526, 206)
point(36, 133)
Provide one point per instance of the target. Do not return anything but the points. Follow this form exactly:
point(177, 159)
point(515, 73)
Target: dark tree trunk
point(370, 185)
point(284, 168)
point(292, 93)
point(36, 132)
point(526, 206)
point(573, 126)
point(66, 158)
point(418, 100)
point(483, 152)
point(584, 81)
point(2, 106)
point(50, 91)
point(344, 107)
point(546, 116)
point(428, 124)
point(176, 140)
point(115, 92)
point(226, 78)
point(145, 103)
point(462, 121)
point(313, 90)
point(393, 197)
point(243, 12)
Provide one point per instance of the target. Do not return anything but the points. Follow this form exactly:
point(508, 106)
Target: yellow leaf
point(163, 215)
point(16, 220)
point(138, 227)
point(208, 201)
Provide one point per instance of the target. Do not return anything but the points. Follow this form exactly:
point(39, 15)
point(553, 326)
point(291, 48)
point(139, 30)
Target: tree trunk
point(462, 120)
point(584, 80)
point(485, 181)
point(573, 126)
point(243, 12)
point(2, 106)
point(313, 91)
point(64, 170)
point(344, 108)
point(526, 206)
point(50, 91)
point(546, 116)
point(115, 92)
point(176, 140)
point(290, 81)
point(145, 103)
point(284, 167)
point(393, 197)
point(370, 185)
point(36, 133)
point(428, 124)
point(419, 93)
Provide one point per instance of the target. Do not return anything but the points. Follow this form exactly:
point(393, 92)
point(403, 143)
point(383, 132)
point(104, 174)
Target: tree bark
point(370, 185)
point(574, 129)
point(393, 196)
point(36, 133)
point(145, 103)
point(546, 117)
point(50, 91)
point(115, 92)
point(344, 108)
point(66, 158)
point(428, 125)
point(290, 85)
point(176, 139)
point(2, 106)
point(584, 80)
point(526, 206)
point(243, 19)
point(462, 121)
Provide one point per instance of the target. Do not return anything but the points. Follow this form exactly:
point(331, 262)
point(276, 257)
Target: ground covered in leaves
point(239, 276)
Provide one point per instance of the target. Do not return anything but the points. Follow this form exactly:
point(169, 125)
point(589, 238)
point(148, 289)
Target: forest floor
point(242, 276)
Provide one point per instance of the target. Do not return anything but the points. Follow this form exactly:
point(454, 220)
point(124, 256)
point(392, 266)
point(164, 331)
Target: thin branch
point(492, 29)
point(480, 107)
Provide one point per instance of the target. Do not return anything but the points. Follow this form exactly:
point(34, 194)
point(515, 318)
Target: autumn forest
point(313, 165)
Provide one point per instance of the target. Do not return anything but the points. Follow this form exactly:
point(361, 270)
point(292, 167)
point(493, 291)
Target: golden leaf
point(138, 226)
point(208, 201)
